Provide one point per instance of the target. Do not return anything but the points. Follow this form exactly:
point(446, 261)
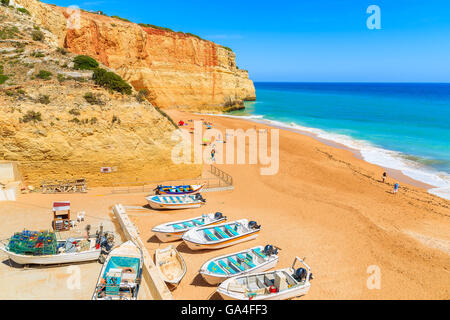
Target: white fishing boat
point(173, 231)
point(172, 202)
point(222, 235)
point(254, 260)
point(121, 274)
point(81, 250)
point(281, 284)
point(170, 264)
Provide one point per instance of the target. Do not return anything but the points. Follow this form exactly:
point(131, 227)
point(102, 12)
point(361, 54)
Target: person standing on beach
point(384, 177)
point(213, 153)
point(396, 186)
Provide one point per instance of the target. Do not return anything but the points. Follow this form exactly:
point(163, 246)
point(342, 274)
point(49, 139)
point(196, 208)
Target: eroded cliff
point(179, 70)
point(58, 124)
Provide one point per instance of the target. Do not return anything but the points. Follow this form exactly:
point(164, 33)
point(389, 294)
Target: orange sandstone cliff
point(178, 70)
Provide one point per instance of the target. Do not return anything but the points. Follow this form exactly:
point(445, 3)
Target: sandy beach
point(330, 207)
point(324, 204)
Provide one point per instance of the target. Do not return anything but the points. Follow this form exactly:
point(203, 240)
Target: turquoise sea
point(404, 126)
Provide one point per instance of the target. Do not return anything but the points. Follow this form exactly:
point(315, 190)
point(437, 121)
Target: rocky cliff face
point(57, 124)
point(179, 70)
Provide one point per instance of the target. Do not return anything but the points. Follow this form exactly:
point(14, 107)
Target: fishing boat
point(257, 259)
point(170, 264)
point(173, 231)
point(167, 202)
point(42, 248)
point(222, 235)
point(121, 274)
point(177, 190)
point(281, 284)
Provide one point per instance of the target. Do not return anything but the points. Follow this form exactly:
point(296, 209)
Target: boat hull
point(216, 279)
point(161, 206)
point(220, 245)
point(63, 258)
point(169, 236)
point(160, 258)
point(285, 295)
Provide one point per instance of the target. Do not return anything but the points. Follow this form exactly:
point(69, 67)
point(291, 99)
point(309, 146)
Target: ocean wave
point(411, 166)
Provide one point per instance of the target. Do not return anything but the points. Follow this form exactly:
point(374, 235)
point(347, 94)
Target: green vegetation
point(165, 115)
point(37, 54)
point(111, 81)
point(155, 27)
point(24, 11)
point(3, 78)
point(4, 3)
point(9, 33)
point(92, 99)
point(85, 63)
point(74, 112)
point(44, 75)
point(62, 51)
point(37, 35)
point(142, 94)
point(75, 120)
point(229, 49)
point(115, 119)
point(120, 18)
point(32, 116)
point(44, 99)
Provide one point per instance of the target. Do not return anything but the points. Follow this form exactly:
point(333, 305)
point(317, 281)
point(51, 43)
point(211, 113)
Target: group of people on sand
point(396, 185)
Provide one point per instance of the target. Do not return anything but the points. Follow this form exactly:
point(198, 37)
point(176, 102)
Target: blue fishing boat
point(177, 190)
point(121, 274)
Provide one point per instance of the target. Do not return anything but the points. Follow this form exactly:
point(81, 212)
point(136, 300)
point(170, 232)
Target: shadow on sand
point(183, 247)
point(199, 281)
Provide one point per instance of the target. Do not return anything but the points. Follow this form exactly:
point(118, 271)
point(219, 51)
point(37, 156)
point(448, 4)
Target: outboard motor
point(218, 215)
point(300, 274)
point(198, 196)
point(269, 250)
point(253, 225)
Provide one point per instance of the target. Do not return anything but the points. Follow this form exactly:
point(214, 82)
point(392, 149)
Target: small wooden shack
point(61, 216)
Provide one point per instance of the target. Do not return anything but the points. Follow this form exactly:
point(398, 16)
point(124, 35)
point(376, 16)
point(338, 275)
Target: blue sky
point(306, 40)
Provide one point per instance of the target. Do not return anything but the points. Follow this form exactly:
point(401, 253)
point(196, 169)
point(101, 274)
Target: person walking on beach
point(384, 177)
point(396, 186)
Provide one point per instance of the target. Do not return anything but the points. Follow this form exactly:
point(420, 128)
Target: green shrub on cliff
point(146, 25)
point(37, 35)
point(111, 81)
point(31, 116)
point(24, 11)
point(3, 78)
point(85, 63)
point(226, 48)
point(120, 18)
point(44, 74)
point(5, 3)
